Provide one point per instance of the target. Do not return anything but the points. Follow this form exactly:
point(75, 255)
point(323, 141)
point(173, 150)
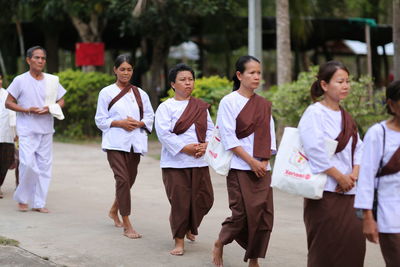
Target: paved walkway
point(78, 232)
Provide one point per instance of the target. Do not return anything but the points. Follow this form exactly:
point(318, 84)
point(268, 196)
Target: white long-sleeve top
point(229, 108)
point(7, 120)
point(317, 123)
point(116, 138)
point(167, 114)
point(389, 185)
point(30, 92)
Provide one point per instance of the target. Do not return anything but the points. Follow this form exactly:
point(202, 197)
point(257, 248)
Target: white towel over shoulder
point(52, 82)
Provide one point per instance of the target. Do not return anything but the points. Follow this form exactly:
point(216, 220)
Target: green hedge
point(80, 102)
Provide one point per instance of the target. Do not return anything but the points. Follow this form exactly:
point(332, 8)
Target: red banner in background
point(89, 54)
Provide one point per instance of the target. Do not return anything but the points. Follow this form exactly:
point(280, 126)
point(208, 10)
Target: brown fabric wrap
point(392, 166)
point(255, 118)
point(251, 203)
point(7, 151)
point(124, 166)
point(195, 112)
point(334, 233)
point(123, 92)
point(390, 247)
point(349, 129)
point(190, 193)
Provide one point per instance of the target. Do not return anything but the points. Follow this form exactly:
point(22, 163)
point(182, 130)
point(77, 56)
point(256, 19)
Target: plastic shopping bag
point(292, 172)
point(216, 156)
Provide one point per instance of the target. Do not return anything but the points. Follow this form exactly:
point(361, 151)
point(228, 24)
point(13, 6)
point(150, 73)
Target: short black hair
point(29, 52)
point(393, 93)
point(123, 58)
point(173, 72)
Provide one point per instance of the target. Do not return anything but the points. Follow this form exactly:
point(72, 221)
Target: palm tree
point(284, 56)
point(396, 38)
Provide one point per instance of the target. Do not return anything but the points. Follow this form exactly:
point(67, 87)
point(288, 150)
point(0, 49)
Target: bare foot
point(131, 233)
point(179, 247)
point(22, 207)
point(217, 254)
point(253, 263)
point(190, 236)
point(114, 216)
point(41, 210)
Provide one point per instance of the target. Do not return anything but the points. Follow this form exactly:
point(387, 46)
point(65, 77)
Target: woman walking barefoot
point(125, 116)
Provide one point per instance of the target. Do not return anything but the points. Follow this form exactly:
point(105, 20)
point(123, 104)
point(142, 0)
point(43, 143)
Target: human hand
point(33, 110)
point(201, 150)
point(136, 123)
point(190, 149)
point(44, 110)
point(370, 228)
point(127, 125)
point(345, 183)
point(258, 167)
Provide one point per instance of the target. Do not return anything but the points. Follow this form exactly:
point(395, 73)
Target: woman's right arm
point(372, 154)
point(313, 140)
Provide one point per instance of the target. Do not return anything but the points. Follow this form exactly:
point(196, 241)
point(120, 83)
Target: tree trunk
point(2, 66)
point(21, 41)
point(160, 54)
point(51, 43)
point(396, 38)
point(284, 56)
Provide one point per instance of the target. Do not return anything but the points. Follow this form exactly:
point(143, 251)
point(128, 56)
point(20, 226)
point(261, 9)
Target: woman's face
point(251, 76)
point(183, 85)
point(124, 72)
point(394, 107)
point(338, 87)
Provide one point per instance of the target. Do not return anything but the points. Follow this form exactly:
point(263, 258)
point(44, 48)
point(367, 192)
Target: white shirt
point(167, 114)
point(7, 130)
point(317, 123)
point(30, 92)
point(229, 108)
point(116, 138)
point(389, 185)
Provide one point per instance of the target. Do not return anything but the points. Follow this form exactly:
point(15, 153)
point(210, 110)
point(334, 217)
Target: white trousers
point(35, 156)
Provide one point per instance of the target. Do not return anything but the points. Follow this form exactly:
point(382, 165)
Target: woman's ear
point(324, 85)
point(239, 75)
point(172, 85)
point(115, 70)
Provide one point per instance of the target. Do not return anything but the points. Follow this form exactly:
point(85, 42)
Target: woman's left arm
point(148, 112)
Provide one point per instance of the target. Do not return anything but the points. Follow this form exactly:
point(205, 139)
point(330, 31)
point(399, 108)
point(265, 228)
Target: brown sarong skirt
point(334, 233)
point(190, 193)
point(251, 203)
point(390, 247)
point(124, 166)
point(7, 158)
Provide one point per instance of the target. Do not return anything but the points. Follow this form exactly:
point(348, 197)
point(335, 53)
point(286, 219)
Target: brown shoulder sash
point(349, 129)
point(255, 118)
point(195, 112)
point(393, 165)
point(124, 92)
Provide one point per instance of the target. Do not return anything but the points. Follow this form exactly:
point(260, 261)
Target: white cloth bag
point(292, 173)
point(216, 156)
